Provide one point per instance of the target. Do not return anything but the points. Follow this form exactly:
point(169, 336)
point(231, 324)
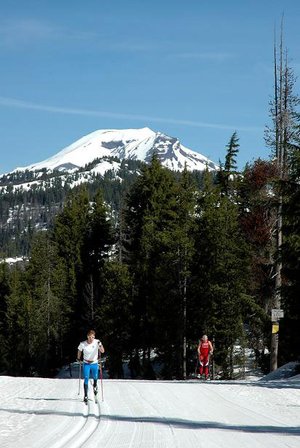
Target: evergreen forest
point(158, 259)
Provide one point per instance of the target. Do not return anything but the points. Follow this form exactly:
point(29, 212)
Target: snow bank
point(286, 371)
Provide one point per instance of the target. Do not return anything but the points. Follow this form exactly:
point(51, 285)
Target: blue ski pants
point(90, 369)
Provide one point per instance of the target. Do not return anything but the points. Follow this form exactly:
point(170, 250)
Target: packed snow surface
point(43, 413)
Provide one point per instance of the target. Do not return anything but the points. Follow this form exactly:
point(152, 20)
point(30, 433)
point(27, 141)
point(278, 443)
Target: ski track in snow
point(49, 413)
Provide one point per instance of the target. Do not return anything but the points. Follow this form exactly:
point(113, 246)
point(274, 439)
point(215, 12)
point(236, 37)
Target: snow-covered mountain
point(136, 144)
point(109, 160)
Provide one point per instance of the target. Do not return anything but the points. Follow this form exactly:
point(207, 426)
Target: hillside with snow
point(49, 413)
point(132, 144)
point(108, 160)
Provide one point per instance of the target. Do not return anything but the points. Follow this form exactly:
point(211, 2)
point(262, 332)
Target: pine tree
point(96, 247)
point(4, 293)
point(257, 222)
point(49, 324)
point(220, 273)
point(18, 323)
point(114, 316)
point(227, 176)
point(70, 233)
point(83, 237)
point(289, 347)
point(174, 274)
point(151, 206)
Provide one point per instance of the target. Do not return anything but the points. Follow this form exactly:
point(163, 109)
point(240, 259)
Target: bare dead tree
point(280, 138)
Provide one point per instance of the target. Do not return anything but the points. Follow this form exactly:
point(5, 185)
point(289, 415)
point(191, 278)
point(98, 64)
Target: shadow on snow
point(174, 422)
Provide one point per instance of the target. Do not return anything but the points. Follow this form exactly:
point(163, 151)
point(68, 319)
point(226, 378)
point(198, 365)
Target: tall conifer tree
point(221, 270)
point(47, 288)
point(290, 341)
point(151, 207)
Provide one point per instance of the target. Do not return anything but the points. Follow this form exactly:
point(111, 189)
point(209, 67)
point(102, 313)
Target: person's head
point(204, 338)
point(91, 335)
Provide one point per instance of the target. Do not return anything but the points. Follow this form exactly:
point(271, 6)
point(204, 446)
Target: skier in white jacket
point(90, 350)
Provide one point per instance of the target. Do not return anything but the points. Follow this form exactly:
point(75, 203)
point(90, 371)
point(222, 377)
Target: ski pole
point(197, 367)
point(79, 378)
point(101, 377)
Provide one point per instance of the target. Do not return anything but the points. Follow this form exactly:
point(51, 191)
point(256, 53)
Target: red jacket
point(204, 349)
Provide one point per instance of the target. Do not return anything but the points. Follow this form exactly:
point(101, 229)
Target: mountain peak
point(136, 144)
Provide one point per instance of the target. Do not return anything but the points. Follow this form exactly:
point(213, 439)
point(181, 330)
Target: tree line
point(180, 256)
point(179, 261)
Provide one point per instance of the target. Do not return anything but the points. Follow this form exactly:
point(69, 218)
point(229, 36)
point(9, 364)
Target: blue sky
point(196, 70)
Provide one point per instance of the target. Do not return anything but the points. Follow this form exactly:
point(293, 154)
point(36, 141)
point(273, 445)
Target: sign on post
point(276, 314)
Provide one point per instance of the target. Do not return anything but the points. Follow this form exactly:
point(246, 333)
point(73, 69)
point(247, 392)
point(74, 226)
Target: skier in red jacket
point(205, 349)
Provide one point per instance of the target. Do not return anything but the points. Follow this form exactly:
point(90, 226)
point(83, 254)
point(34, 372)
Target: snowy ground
point(43, 413)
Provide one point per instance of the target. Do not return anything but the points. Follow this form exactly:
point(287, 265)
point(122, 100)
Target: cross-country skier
point(90, 350)
point(205, 349)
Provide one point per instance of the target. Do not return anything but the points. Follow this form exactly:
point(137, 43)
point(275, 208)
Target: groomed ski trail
point(49, 413)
